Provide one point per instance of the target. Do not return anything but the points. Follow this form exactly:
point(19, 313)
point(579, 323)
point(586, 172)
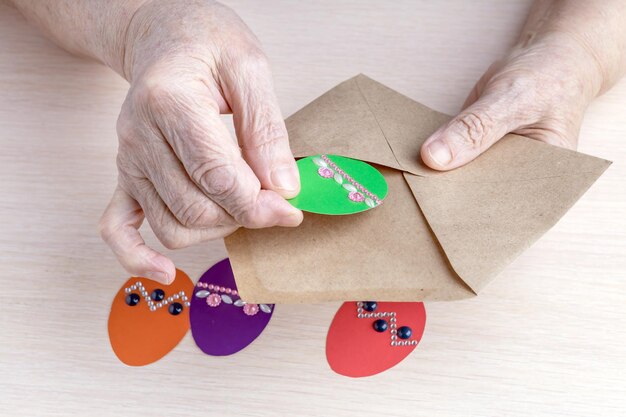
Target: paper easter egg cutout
point(332, 184)
point(221, 322)
point(148, 319)
point(359, 344)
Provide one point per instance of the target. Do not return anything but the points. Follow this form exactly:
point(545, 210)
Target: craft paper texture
point(438, 235)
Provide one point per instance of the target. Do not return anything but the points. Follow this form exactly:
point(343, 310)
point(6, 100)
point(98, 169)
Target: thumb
point(267, 151)
point(469, 134)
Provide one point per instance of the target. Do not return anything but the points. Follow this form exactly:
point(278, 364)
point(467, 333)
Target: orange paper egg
point(148, 319)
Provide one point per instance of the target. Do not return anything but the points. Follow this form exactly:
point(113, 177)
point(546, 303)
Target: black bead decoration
point(404, 332)
point(380, 325)
point(175, 309)
point(157, 295)
point(369, 305)
point(132, 299)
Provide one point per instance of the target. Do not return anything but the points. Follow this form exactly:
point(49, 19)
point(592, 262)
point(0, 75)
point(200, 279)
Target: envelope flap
point(405, 123)
point(387, 253)
point(488, 212)
point(340, 122)
point(471, 222)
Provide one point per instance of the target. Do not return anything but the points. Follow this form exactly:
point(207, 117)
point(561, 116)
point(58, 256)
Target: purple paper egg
point(221, 322)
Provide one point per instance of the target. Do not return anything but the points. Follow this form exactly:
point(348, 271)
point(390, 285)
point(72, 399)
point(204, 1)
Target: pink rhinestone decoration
point(362, 314)
point(214, 300)
point(216, 288)
point(251, 309)
point(356, 196)
point(356, 192)
point(325, 172)
point(216, 295)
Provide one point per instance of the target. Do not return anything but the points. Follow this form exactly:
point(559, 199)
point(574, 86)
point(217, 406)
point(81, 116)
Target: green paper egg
point(332, 184)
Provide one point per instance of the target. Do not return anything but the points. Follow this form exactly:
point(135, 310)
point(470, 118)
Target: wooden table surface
point(548, 337)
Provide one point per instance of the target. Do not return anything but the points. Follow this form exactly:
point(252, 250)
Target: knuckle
point(129, 144)
point(121, 162)
point(250, 220)
point(219, 180)
point(196, 214)
point(104, 228)
point(553, 134)
point(266, 130)
point(124, 127)
point(171, 242)
point(128, 174)
point(169, 233)
point(250, 215)
point(157, 92)
point(516, 84)
point(109, 229)
point(256, 60)
point(156, 96)
point(247, 58)
point(473, 128)
point(171, 239)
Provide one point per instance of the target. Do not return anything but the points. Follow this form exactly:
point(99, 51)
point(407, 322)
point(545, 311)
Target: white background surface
point(548, 337)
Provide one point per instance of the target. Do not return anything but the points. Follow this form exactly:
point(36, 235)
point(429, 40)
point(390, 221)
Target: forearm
point(92, 28)
point(596, 27)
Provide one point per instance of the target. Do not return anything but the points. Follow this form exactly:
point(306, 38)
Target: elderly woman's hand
point(188, 62)
point(568, 53)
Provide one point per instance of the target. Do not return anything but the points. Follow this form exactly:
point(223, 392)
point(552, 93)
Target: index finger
point(189, 119)
point(259, 124)
point(119, 228)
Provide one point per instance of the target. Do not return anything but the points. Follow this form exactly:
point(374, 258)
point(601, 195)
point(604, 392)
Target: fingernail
point(285, 179)
point(293, 219)
point(440, 153)
point(158, 276)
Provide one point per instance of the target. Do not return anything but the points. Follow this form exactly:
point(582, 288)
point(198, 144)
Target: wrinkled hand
point(540, 90)
point(188, 62)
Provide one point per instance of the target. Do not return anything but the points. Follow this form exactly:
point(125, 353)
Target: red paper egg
point(355, 348)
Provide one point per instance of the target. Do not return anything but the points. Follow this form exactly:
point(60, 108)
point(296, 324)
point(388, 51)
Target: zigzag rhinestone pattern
point(362, 314)
point(138, 286)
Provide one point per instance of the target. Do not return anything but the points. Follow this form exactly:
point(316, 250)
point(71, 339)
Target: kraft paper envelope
point(437, 236)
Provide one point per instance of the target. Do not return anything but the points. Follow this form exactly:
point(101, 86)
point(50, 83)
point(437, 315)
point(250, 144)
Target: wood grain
point(555, 348)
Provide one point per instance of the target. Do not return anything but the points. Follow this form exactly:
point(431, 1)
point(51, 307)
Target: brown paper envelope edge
point(395, 133)
point(325, 118)
point(387, 132)
point(478, 253)
point(531, 185)
point(486, 217)
point(384, 254)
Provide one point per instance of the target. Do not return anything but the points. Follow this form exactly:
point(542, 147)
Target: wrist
point(166, 37)
point(593, 31)
point(120, 39)
point(154, 38)
point(94, 29)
